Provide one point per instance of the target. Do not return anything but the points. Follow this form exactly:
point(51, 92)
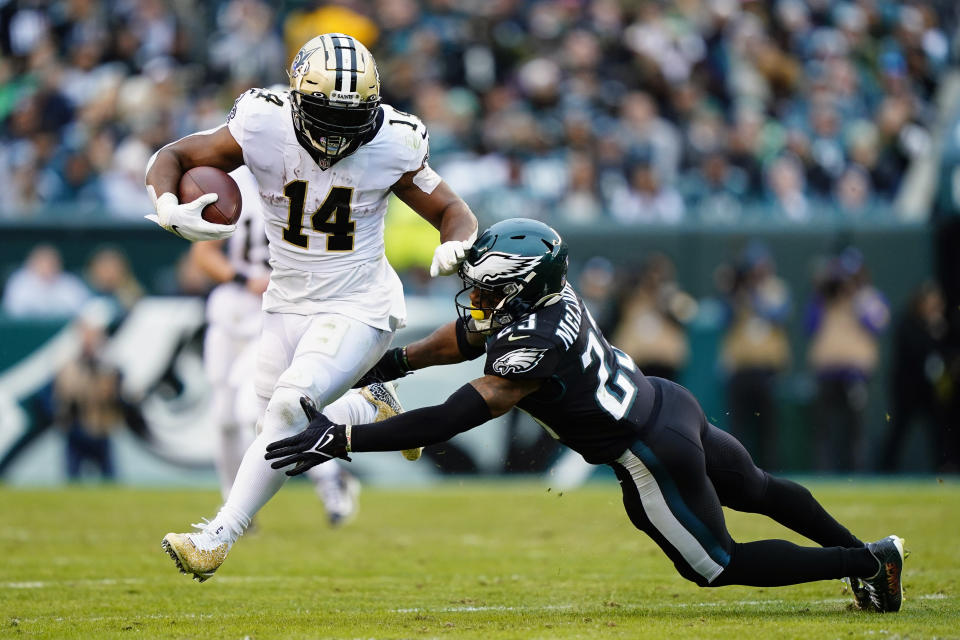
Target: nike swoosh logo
point(327, 439)
point(513, 338)
point(176, 230)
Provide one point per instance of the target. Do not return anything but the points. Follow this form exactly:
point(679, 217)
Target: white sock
point(256, 481)
point(254, 485)
point(228, 525)
point(232, 442)
point(351, 408)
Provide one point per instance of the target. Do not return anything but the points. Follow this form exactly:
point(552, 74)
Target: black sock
point(774, 563)
point(793, 506)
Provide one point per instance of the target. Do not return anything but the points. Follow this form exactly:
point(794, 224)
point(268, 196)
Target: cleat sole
point(177, 560)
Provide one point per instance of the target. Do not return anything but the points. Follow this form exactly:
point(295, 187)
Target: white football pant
point(318, 356)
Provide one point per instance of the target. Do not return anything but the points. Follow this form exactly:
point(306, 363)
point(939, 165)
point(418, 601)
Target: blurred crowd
point(844, 326)
point(635, 111)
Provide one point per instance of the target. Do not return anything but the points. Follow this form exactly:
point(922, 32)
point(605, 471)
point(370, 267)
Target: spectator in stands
point(901, 138)
point(246, 47)
point(650, 136)
point(853, 196)
point(78, 187)
point(41, 288)
point(843, 320)
point(826, 161)
point(918, 380)
point(581, 203)
point(745, 151)
point(645, 199)
point(597, 285)
point(755, 351)
point(88, 405)
point(510, 199)
point(787, 196)
point(862, 148)
point(109, 276)
point(653, 315)
point(715, 189)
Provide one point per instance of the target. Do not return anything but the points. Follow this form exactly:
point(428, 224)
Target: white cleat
point(383, 395)
point(198, 554)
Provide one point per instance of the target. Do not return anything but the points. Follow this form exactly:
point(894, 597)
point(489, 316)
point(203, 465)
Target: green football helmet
point(514, 267)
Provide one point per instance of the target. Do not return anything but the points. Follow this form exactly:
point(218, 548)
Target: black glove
point(322, 440)
point(392, 365)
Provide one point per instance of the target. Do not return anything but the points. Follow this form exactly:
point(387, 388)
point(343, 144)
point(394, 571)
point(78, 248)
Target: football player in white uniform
point(326, 157)
point(240, 265)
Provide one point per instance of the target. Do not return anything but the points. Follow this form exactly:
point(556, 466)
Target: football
point(200, 180)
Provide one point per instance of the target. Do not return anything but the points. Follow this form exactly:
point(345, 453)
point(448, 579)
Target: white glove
point(185, 221)
point(448, 256)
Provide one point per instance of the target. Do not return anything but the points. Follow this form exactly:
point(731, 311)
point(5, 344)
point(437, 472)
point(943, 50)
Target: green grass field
point(493, 560)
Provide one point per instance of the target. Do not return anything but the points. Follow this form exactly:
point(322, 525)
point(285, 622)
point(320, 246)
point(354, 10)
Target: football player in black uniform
point(545, 355)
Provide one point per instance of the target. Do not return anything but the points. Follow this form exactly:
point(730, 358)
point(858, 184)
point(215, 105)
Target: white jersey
point(231, 307)
point(247, 247)
point(325, 227)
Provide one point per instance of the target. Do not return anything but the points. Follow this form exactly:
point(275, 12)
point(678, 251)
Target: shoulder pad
point(408, 135)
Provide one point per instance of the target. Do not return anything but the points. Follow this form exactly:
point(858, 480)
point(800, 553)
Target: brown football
point(200, 180)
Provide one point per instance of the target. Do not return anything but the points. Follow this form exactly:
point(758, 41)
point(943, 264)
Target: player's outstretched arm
point(449, 344)
point(469, 406)
point(436, 202)
point(215, 148)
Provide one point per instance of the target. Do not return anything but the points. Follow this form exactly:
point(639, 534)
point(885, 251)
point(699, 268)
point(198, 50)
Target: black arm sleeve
point(463, 410)
point(467, 350)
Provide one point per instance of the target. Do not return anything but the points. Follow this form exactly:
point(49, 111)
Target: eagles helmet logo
point(496, 265)
point(518, 361)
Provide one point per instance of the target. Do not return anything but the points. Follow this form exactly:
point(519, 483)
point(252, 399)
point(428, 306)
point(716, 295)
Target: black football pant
point(675, 479)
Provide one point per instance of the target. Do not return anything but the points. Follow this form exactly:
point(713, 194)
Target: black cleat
point(884, 588)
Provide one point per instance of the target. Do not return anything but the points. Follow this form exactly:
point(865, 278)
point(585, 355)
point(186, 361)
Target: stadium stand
point(812, 110)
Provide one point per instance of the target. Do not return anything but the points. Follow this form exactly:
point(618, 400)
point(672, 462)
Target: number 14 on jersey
point(332, 217)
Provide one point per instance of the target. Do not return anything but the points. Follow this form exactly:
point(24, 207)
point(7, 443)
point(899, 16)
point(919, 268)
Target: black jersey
point(594, 398)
